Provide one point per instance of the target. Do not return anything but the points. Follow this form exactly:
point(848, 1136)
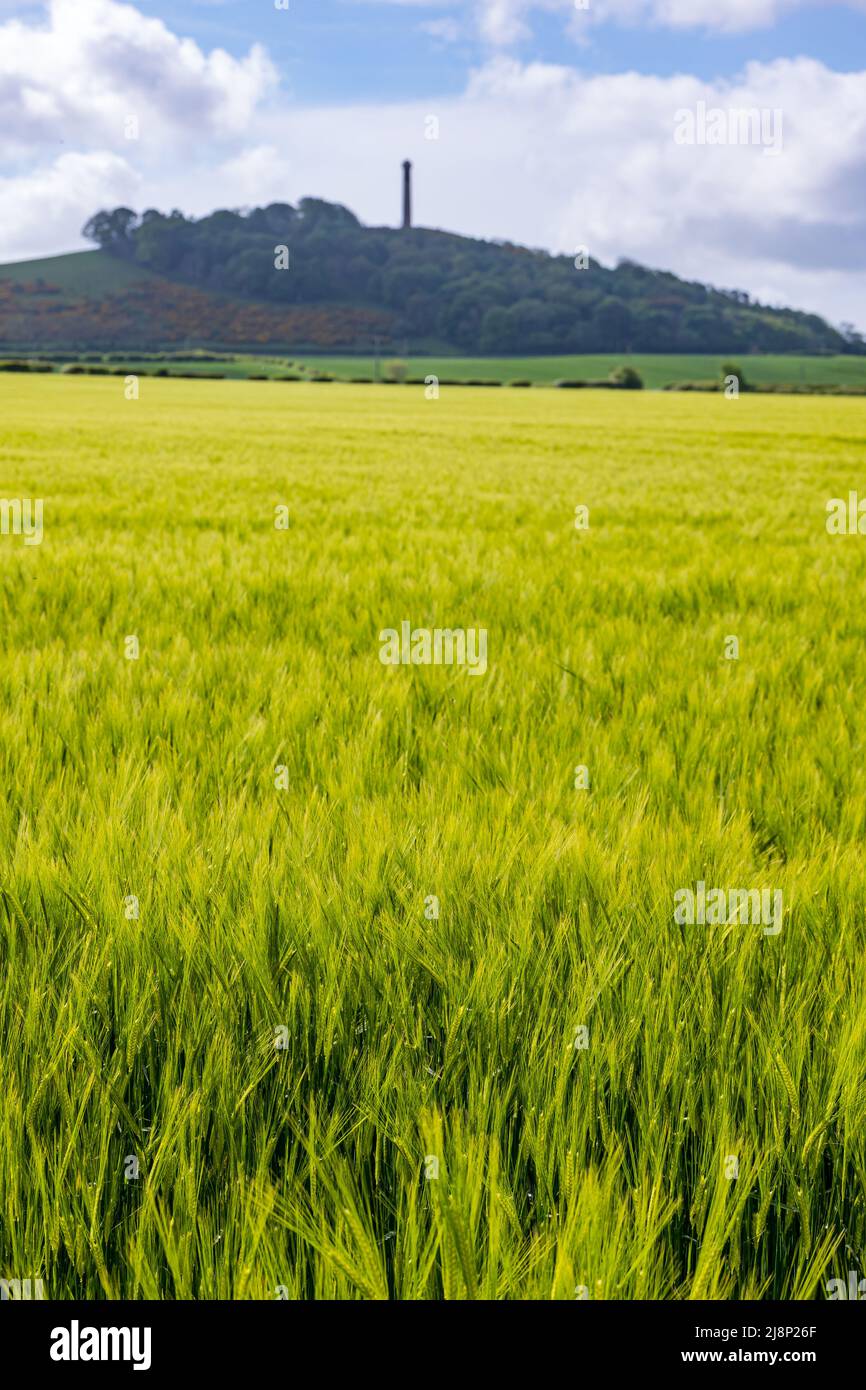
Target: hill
point(314, 277)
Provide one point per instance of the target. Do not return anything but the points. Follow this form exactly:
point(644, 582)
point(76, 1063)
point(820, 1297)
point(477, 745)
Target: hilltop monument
point(407, 194)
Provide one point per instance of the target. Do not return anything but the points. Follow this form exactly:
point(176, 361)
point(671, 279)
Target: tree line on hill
point(454, 292)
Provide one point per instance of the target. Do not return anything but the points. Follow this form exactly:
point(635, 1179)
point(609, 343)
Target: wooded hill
point(314, 276)
point(477, 296)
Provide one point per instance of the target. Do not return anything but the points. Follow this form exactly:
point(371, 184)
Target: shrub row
point(84, 367)
point(775, 388)
point(621, 379)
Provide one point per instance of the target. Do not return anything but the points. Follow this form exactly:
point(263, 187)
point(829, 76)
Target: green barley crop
point(241, 1054)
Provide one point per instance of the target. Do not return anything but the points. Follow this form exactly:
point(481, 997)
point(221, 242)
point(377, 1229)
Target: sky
point(554, 123)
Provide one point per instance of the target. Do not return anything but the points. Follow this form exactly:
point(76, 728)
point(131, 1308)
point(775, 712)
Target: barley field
point(325, 979)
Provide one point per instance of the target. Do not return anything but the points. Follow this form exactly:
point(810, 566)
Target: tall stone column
point(407, 193)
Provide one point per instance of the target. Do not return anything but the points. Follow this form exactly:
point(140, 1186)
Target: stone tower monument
point(407, 194)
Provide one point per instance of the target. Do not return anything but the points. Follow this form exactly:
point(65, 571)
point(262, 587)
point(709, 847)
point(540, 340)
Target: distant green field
point(656, 369)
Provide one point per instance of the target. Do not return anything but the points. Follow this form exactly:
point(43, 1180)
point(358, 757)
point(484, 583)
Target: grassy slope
point(304, 908)
point(79, 272)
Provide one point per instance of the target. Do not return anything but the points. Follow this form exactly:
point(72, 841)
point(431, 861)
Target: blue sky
point(333, 50)
point(554, 127)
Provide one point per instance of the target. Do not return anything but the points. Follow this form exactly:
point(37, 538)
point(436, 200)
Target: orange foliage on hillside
point(157, 313)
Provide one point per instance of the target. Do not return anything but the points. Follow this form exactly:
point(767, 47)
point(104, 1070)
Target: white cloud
point(502, 23)
point(42, 211)
point(79, 76)
point(446, 30)
point(730, 15)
